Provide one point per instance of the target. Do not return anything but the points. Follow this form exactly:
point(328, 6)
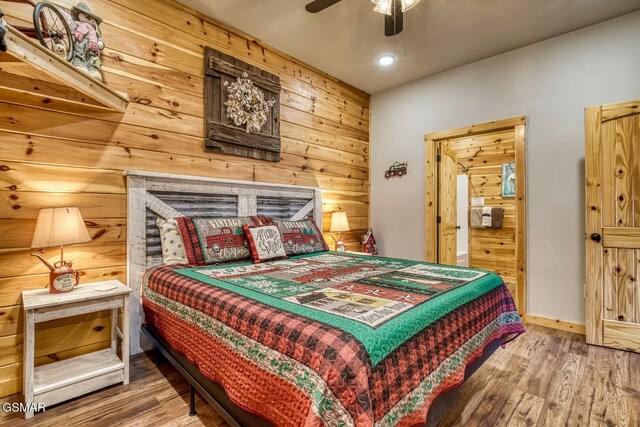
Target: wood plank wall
point(490, 249)
point(155, 54)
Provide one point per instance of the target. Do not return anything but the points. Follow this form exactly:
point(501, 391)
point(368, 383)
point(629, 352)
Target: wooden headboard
point(152, 195)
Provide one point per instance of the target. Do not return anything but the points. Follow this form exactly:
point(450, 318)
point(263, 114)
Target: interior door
point(447, 201)
point(612, 287)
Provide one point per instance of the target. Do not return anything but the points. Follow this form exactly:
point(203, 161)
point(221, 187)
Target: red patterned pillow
point(209, 240)
point(265, 242)
point(301, 237)
point(214, 240)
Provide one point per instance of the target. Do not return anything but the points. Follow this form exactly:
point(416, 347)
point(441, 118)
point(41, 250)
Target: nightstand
point(59, 381)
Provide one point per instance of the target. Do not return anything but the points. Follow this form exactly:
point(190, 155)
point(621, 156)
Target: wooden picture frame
point(221, 134)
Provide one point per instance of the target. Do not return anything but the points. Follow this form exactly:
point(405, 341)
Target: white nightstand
point(66, 379)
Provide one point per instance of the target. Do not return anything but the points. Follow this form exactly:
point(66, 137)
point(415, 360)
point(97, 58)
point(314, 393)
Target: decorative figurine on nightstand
point(369, 243)
point(88, 40)
point(59, 227)
point(3, 31)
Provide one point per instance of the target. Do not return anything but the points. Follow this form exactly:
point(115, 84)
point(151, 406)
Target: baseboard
point(555, 324)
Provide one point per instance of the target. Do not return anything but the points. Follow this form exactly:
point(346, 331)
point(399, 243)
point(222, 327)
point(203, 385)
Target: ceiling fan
point(393, 11)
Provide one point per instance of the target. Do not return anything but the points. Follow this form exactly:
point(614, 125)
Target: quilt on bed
point(331, 338)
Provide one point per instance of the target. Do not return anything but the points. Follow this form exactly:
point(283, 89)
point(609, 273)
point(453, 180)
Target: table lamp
point(339, 223)
point(59, 227)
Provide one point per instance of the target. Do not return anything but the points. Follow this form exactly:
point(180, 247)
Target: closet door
point(612, 287)
point(447, 214)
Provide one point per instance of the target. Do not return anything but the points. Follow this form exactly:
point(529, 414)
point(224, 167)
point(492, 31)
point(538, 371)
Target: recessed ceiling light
point(386, 59)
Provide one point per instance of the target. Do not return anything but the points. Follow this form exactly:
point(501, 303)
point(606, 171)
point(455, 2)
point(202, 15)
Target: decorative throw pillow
point(265, 242)
point(173, 252)
point(301, 237)
point(209, 240)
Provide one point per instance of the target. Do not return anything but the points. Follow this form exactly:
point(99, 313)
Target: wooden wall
point(155, 54)
point(490, 249)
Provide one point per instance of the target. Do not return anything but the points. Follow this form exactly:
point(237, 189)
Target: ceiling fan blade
point(394, 23)
point(319, 5)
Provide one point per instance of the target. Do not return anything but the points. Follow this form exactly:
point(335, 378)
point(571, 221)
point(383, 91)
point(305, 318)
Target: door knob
point(459, 227)
point(596, 237)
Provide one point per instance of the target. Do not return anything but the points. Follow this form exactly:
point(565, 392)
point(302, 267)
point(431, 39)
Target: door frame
point(431, 141)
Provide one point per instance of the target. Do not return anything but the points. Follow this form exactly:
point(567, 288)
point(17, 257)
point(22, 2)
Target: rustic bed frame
point(153, 195)
point(159, 195)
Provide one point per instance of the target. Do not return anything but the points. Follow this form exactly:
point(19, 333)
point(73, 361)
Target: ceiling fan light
point(408, 4)
point(386, 59)
point(383, 6)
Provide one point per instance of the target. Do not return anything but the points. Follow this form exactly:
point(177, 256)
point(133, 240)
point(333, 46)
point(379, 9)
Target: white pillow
point(265, 242)
point(173, 252)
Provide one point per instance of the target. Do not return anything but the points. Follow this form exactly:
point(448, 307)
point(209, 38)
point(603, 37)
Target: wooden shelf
point(33, 75)
point(71, 371)
point(56, 382)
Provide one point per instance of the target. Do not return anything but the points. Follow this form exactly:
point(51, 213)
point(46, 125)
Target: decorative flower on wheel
point(246, 105)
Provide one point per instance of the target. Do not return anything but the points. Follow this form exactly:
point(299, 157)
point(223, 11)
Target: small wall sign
point(477, 201)
point(396, 169)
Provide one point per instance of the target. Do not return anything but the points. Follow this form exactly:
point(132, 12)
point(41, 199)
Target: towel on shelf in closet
point(476, 218)
point(497, 214)
point(486, 217)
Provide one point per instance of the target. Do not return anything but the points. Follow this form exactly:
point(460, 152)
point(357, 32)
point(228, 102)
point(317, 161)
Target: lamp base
point(63, 278)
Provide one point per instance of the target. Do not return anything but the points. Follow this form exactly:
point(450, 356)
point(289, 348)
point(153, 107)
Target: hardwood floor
point(544, 378)
point(154, 397)
point(552, 378)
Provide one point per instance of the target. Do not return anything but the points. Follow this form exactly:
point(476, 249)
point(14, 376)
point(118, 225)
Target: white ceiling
point(346, 39)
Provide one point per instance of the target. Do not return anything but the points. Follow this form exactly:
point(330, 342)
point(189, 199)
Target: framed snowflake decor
point(242, 108)
point(246, 105)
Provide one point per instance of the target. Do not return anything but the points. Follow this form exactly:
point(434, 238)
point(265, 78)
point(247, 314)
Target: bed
point(327, 338)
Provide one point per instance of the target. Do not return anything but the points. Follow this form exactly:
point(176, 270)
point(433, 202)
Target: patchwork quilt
point(331, 338)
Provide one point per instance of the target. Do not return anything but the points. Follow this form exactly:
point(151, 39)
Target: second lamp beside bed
point(339, 223)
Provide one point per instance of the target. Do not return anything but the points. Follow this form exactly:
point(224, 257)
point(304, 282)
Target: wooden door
point(612, 288)
point(447, 201)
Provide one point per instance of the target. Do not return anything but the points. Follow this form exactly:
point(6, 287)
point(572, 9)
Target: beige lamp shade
point(58, 227)
point(339, 221)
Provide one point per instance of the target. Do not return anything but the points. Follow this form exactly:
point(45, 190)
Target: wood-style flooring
point(544, 378)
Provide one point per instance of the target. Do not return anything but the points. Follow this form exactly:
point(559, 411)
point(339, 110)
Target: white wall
point(550, 82)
